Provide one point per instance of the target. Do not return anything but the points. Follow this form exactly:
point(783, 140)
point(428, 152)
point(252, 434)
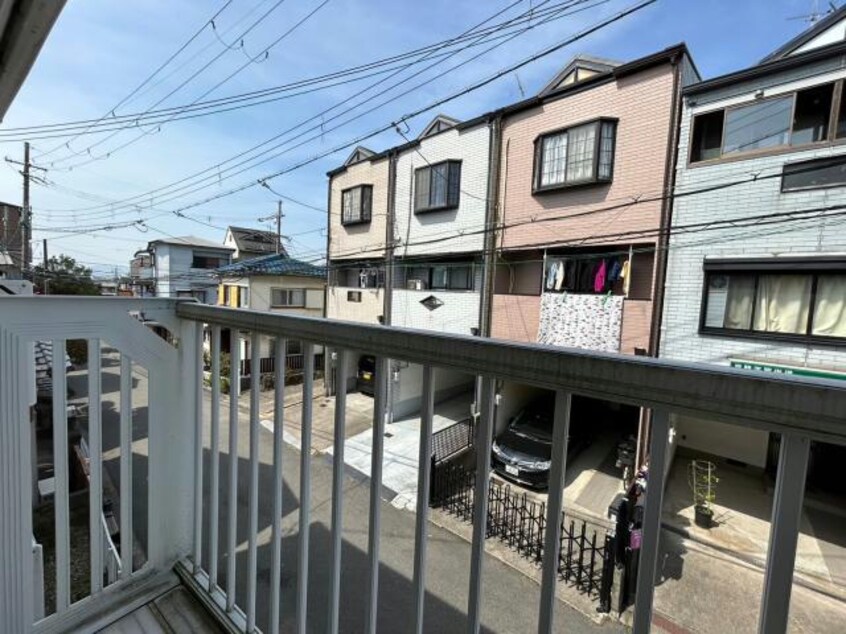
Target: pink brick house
point(582, 170)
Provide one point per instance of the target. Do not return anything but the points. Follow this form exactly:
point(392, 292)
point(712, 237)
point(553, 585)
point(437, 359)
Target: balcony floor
point(175, 612)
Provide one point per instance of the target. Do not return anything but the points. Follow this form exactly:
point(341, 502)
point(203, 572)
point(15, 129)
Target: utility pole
point(46, 270)
point(279, 228)
point(26, 216)
point(25, 223)
point(278, 216)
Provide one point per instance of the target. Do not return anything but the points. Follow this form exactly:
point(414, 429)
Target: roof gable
point(438, 124)
point(578, 69)
point(831, 29)
point(359, 154)
point(254, 240)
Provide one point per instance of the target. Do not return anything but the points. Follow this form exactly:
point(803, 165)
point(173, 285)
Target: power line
point(258, 21)
point(93, 126)
point(149, 78)
point(215, 175)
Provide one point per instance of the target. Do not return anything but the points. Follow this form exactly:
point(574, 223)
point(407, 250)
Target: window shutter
point(366, 202)
point(454, 184)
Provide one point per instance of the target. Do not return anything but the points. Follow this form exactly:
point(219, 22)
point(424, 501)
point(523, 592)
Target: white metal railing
point(799, 409)
point(100, 322)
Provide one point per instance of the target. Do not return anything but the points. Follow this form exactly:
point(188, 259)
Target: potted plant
point(703, 482)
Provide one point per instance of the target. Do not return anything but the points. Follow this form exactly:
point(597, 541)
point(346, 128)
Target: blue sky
point(100, 50)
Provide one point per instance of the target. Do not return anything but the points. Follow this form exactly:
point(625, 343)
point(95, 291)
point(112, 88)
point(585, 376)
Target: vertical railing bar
point(480, 502)
point(338, 488)
point(126, 535)
point(252, 530)
point(552, 538)
point(95, 465)
point(647, 568)
point(61, 477)
point(374, 527)
point(197, 385)
point(784, 532)
point(232, 504)
point(279, 354)
point(305, 487)
point(424, 466)
point(214, 457)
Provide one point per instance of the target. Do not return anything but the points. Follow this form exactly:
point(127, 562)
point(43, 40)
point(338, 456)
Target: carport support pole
point(651, 522)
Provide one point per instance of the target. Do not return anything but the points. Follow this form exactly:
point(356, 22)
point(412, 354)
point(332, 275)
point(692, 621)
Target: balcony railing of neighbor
point(799, 409)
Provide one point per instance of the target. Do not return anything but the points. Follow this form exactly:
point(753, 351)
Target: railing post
point(172, 429)
point(480, 503)
point(784, 531)
point(16, 563)
point(552, 539)
point(651, 522)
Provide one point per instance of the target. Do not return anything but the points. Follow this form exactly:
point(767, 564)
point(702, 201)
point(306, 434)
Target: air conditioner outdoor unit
point(416, 285)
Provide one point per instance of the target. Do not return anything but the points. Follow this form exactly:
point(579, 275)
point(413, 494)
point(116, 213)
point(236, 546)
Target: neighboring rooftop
point(272, 265)
point(359, 154)
point(829, 30)
point(255, 240)
point(190, 241)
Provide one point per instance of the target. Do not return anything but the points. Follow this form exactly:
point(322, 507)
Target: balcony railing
point(799, 409)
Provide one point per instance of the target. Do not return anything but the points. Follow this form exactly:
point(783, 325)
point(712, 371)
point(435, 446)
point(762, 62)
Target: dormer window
point(356, 205)
point(578, 155)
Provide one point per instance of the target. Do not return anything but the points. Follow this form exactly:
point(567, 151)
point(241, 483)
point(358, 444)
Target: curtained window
point(786, 303)
point(437, 186)
point(356, 204)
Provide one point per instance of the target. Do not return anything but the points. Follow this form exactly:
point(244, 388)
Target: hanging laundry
point(614, 270)
point(625, 275)
point(550, 275)
point(599, 278)
point(559, 276)
point(587, 276)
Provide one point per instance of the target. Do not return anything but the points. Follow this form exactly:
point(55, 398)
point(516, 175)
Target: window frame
point(449, 266)
point(829, 161)
point(364, 216)
point(829, 140)
point(288, 292)
point(814, 267)
point(537, 188)
point(431, 167)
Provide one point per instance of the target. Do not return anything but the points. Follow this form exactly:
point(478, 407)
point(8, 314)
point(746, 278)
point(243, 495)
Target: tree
point(63, 276)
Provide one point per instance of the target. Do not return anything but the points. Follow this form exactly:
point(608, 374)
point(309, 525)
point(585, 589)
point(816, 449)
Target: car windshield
point(534, 424)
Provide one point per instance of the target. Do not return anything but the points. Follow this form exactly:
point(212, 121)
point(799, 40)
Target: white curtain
point(580, 157)
point(741, 294)
point(554, 159)
point(830, 309)
point(783, 303)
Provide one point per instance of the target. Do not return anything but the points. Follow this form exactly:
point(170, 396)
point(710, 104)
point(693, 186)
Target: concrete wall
point(408, 388)
point(738, 443)
point(471, 147)
point(366, 311)
point(360, 240)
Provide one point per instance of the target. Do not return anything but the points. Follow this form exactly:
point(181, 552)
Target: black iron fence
point(267, 365)
point(586, 554)
point(453, 440)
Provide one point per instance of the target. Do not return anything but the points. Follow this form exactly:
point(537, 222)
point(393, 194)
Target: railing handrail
point(815, 407)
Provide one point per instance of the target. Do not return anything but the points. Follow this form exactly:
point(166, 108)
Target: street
point(448, 562)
